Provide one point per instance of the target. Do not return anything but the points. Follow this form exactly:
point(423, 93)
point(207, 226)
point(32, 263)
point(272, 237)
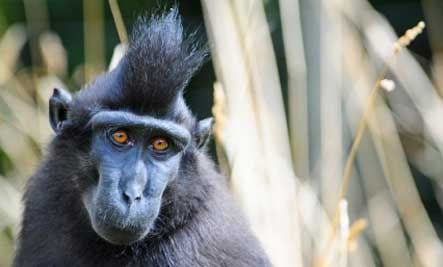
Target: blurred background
point(328, 127)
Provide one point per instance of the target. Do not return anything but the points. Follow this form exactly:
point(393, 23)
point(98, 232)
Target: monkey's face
point(132, 158)
point(136, 157)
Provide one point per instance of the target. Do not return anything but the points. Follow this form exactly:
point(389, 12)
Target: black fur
point(198, 223)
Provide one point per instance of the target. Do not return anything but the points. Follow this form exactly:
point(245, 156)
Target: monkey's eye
point(159, 144)
point(120, 137)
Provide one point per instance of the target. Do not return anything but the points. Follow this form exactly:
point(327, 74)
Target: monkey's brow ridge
point(127, 119)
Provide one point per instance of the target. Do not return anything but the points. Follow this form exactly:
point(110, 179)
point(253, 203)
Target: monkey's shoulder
point(219, 237)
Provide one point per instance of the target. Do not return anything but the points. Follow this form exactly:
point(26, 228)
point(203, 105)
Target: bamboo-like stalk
point(344, 233)
point(310, 18)
point(297, 85)
point(331, 84)
point(231, 72)
point(120, 49)
point(388, 235)
point(10, 213)
point(271, 125)
point(219, 113)
point(389, 238)
point(401, 182)
point(11, 44)
point(427, 245)
point(263, 164)
point(401, 42)
point(37, 21)
point(94, 39)
point(53, 54)
point(119, 22)
point(432, 11)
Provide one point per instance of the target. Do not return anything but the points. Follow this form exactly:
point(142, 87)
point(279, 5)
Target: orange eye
point(120, 137)
point(159, 144)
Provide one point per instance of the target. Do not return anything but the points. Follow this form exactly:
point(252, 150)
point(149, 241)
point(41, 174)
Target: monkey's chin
point(120, 236)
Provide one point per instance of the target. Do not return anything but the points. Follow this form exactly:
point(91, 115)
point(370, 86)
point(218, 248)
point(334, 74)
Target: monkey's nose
point(134, 183)
point(131, 195)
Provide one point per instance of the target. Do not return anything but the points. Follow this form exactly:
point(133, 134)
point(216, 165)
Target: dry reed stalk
point(255, 138)
point(389, 238)
point(409, 74)
point(403, 41)
point(20, 102)
point(94, 39)
point(355, 230)
point(11, 44)
point(401, 182)
point(297, 86)
point(424, 238)
point(10, 214)
point(388, 235)
point(10, 209)
point(344, 233)
point(246, 173)
point(23, 126)
point(119, 22)
point(53, 54)
point(271, 124)
point(316, 223)
point(31, 112)
point(412, 78)
point(118, 53)
point(310, 17)
point(219, 113)
point(315, 220)
point(121, 48)
point(432, 11)
point(331, 85)
point(37, 21)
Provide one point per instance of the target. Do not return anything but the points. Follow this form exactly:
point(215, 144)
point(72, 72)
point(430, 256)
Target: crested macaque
point(126, 180)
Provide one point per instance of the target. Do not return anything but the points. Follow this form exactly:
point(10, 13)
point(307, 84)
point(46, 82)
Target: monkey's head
point(127, 132)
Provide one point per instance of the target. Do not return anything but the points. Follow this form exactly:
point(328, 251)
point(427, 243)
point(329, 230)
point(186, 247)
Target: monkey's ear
point(203, 132)
point(58, 108)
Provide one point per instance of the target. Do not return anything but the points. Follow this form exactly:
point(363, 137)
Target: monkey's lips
point(119, 234)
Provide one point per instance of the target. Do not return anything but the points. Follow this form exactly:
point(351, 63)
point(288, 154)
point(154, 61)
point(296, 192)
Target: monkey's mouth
point(118, 234)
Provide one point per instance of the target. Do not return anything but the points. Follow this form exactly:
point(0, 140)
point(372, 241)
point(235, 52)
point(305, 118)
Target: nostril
point(127, 198)
point(130, 197)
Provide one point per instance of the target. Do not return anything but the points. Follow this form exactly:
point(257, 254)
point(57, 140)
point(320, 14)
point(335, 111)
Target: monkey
point(127, 179)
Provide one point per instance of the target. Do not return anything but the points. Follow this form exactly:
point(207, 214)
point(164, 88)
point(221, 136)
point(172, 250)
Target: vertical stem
point(94, 40)
point(37, 21)
point(119, 22)
point(297, 85)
